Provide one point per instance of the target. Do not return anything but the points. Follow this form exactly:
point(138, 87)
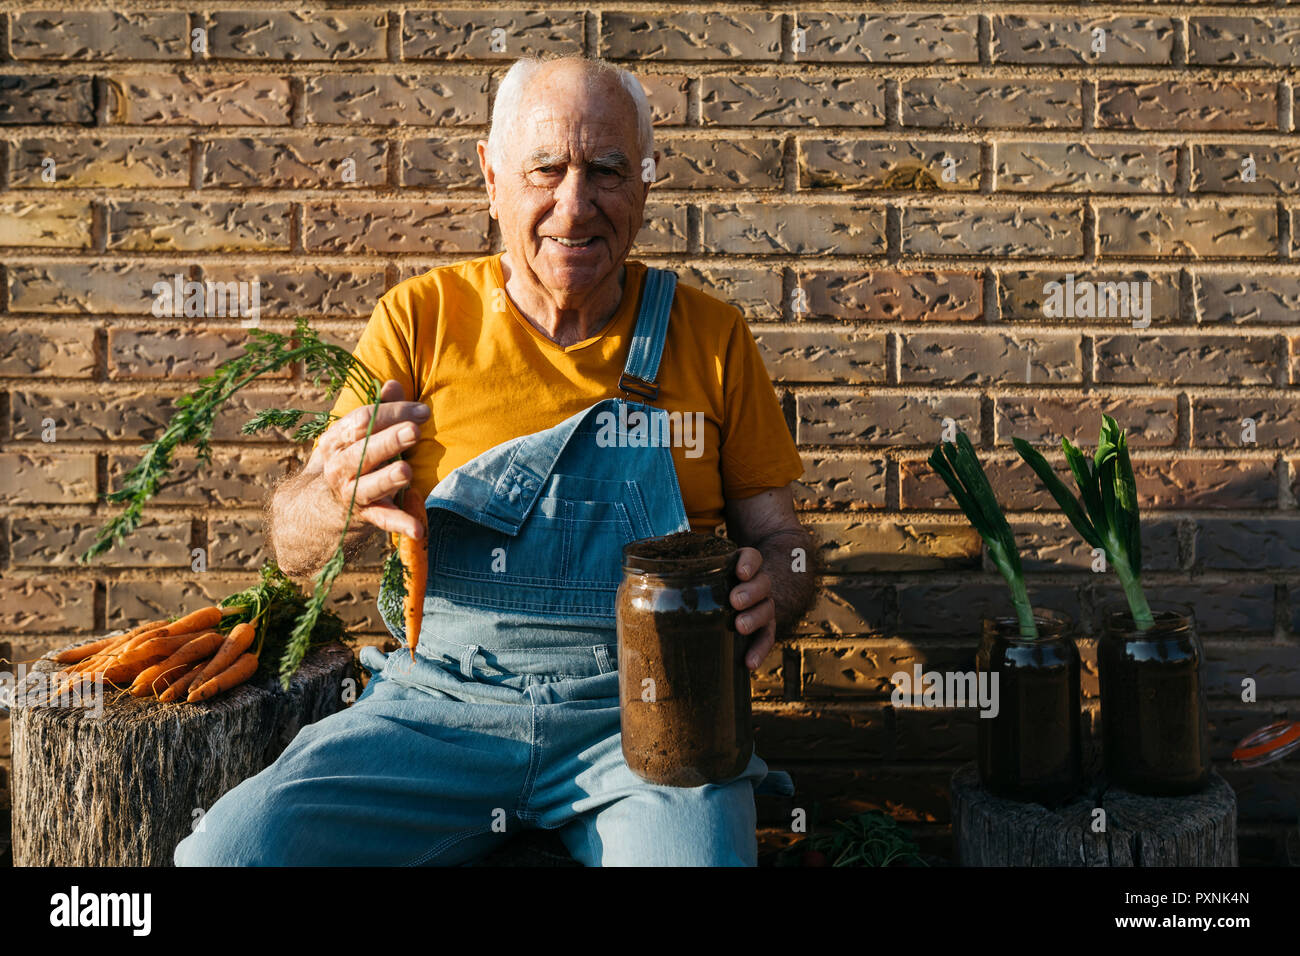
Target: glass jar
point(683, 684)
point(1029, 750)
point(1155, 725)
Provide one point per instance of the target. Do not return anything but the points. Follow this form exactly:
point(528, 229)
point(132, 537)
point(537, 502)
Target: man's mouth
point(573, 243)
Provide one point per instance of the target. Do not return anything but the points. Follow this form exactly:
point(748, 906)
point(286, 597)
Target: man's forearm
point(788, 561)
point(304, 522)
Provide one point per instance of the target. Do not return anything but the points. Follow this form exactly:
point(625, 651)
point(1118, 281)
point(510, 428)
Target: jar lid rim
point(1268, 743)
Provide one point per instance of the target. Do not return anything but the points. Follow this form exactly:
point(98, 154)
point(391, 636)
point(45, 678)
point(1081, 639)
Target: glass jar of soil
point(1155, 729)
point(683, 685)
point(1029, 751)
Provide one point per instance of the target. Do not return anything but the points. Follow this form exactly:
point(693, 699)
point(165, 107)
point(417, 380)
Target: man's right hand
point(338, 454)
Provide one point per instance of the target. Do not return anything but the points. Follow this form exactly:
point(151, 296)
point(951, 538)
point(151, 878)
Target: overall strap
point(642, 367)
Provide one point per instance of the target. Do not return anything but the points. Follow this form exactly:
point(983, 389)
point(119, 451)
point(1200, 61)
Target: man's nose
point(574, 195)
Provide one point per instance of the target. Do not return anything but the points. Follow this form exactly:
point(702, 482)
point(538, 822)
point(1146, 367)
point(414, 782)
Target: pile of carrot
point(186, 659)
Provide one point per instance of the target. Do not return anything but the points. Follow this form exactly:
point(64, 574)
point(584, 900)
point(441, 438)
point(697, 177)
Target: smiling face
point(569, 194)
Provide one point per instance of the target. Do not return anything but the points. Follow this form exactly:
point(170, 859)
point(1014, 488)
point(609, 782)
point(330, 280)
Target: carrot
point(176, 689)
point(415, 558)
point(123, 671)
point(200, 620)
point(232, 676)
point(194, 649)
point(74, 655)
point(239, 640)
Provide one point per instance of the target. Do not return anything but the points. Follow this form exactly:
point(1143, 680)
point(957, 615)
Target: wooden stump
point(1198, 830)
point(123, 788)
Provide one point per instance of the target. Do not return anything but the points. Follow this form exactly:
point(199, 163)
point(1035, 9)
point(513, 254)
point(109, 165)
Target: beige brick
point(378, 226)
point(888, 38)
point(1085, 167)
point(792, 101)
point(756, 292)
point(445, 162)
point(58, 542)
point(32, 478)
point(48, 223)
point(1046, 419)
point(1124, 40)
point(768, 228)
point(889, 164)
point(887, 419)
point(208, 99)
point(664, 229)
point(86, 288)
point(489, 33)
point(136, 414)
point(99, 35)
point(985, 229)
point(60, 351)
point(750, 163)
point(885, 295)
point(986, 103)
point(841, 482)
point(985, 358)
point(148, 225)
point(1201, 106)
point(1239, 299)
point(101, 161)
point(1164, 231)
point(172, 353)
point(690, 36)
point(667, 94)
point(406, 100)
point(1191, 359)
point(295, 162)
point(823, 355)
point(855, 545)
point(1243, 41)
point(1217, 422)
point(292, 291)
point(1245, 169)
point(334, 35)
point(1098, 298)
point(35, 605)
point(33, 98)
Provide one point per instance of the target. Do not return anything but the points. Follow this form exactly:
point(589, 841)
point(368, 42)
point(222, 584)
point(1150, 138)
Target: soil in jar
point(1155, 727)
point(1030, 750)
point(685, 702)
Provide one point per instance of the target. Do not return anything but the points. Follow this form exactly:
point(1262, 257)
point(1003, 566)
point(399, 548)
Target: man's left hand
point(757, 612)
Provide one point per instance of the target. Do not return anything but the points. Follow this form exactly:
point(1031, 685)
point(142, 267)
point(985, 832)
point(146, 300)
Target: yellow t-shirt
point(490, 376)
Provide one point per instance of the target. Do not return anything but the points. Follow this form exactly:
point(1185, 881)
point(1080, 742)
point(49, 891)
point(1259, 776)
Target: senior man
point(517, 366)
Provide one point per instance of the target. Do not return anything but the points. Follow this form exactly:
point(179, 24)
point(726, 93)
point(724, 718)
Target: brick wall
point(886, 194)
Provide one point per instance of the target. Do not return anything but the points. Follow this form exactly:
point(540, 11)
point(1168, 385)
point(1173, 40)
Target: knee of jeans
point(241, 829)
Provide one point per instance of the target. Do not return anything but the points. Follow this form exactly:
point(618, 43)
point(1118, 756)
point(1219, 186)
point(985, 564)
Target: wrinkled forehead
point(577, 118)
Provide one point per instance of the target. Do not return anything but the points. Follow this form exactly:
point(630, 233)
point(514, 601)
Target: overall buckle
point(632, 385)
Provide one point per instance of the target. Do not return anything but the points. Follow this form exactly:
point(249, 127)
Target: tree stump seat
point(123, 788)
point(1195, 830)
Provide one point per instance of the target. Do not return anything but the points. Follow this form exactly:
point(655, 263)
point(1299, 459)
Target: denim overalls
point(509, 716)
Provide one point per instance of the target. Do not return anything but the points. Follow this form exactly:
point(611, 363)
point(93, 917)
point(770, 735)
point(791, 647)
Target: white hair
point(510, 94)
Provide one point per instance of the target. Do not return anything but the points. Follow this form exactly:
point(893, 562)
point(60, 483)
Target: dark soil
point(684, 686)
point(683, 544)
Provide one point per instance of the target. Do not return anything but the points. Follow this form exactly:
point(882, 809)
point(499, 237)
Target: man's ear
point(489, 176)
point(648, 181)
